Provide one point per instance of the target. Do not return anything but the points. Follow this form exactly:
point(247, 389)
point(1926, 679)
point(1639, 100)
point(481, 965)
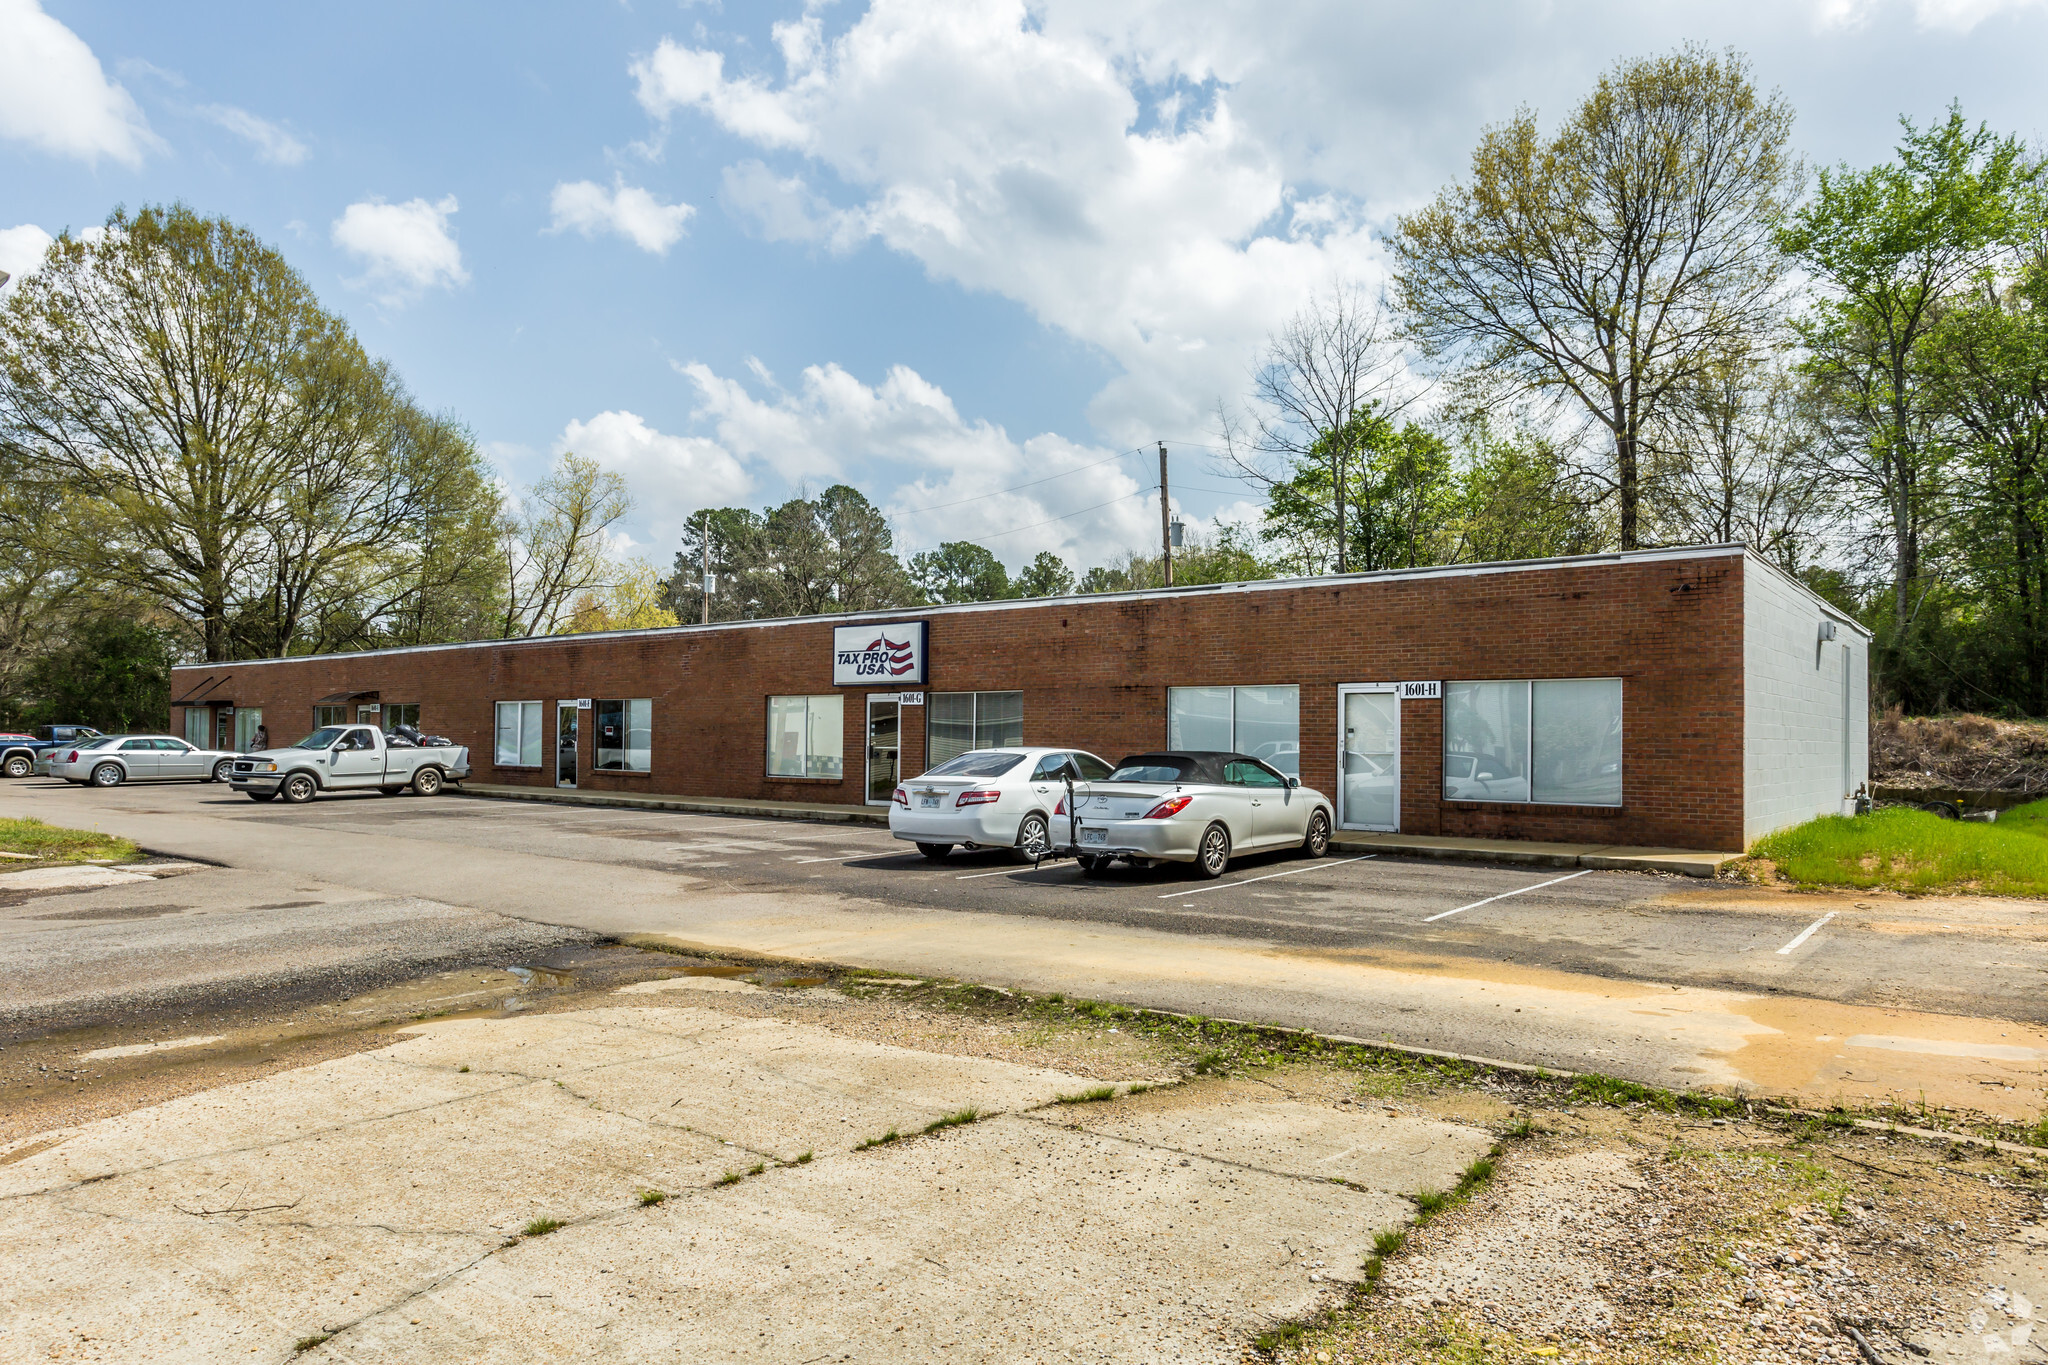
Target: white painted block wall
point(1805, 703)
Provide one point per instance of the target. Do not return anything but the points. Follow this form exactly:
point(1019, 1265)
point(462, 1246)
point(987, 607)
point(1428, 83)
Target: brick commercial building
point(1695, 698)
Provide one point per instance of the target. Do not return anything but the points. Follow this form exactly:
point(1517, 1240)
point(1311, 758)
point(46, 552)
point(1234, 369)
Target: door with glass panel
point(565, 743)
point(885, 749)
point(1368, 757)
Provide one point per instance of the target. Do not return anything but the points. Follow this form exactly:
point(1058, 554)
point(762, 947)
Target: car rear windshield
point(983, 763)
point(320, 738)
point(99, 743)
point(1153, 768)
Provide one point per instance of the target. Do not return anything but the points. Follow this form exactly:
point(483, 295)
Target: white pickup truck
point(349, 757)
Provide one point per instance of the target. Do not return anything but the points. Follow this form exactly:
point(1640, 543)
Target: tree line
point(1647, 325)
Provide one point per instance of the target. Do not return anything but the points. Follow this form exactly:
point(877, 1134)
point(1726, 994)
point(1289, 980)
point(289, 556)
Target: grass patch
point(757, 1168)
point(883, 1141)
point(304, 1344)
point(540, 1227)
point(803, 1158)
point(2037, 1136)
point(55, 844)
point(729, 1178)
point(1092, 1095)
point(958, 1118)
point(1910, 850)
point(648, 1197)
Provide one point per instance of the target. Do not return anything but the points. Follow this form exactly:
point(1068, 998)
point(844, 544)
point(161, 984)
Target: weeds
point(304, 1344)
point(729, 1178)
point(648, 1197)
point(1522, 1127)
point(884, 1140)
point(757, 1168)
point(55, 844)
point(1137, 1088)
point(1092, 1095)
point(463, 1067)
point(803, 1158)
point(540, 1227)
point(958, 1118)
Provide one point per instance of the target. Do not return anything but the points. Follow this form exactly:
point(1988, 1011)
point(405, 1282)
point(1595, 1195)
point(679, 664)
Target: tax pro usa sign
point(878, 656)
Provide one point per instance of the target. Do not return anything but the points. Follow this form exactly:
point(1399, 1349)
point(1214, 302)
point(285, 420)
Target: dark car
point(18, 755)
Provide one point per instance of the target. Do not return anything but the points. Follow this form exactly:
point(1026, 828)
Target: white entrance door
point(885, 748)
point(1368, 757)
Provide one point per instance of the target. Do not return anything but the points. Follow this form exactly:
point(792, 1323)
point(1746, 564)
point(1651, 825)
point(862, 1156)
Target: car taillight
point(980, 798)
point(1059, 807)
point(1172, 805)
point(901, 798)
point(71, 757)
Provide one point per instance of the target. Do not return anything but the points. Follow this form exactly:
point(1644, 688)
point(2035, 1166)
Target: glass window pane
point(787, 720)
point(1486, 741)
point(640, 735)
point(1197, 718)
point(826, 756)
point(247, 719)
point(195, 727)
point(611, 735)
point(1575, 738)
point(529, 733)
point(1269, 726)
point(506, 750)
point(1091, 767)
point(949, 726)
point(998, 719)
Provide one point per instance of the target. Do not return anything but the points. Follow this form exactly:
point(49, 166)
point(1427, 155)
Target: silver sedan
point(111, 760)
point(1201, 807)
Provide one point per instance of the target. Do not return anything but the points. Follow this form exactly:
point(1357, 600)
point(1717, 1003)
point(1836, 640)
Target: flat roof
point(1501, 566)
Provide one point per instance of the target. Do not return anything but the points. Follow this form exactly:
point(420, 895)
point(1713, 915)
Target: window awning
point(197, 696)
point(337, 698)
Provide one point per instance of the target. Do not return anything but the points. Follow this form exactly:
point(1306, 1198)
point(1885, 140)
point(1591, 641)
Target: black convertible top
point(1192, 765)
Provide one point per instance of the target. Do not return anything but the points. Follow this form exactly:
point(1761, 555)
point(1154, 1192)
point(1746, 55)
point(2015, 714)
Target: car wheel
point(1034, 840)
point(19, 765)
point(935, 851)
point(427, 782)
point(1318, 841)
point(1215, 854)
point(299, 788)
point(224, 770)
point(263, 796)
point(108, 775)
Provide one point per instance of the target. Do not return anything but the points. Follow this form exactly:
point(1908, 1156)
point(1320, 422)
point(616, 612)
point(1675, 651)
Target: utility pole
point(1165, 519)
point(706, 585)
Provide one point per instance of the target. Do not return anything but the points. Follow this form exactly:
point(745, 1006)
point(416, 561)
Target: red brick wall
point(1095, 674)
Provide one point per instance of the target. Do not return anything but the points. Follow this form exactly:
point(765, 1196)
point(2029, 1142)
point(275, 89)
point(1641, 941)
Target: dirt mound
point(1970, 753)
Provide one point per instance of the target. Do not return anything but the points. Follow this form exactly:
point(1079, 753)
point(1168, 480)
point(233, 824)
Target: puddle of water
point(139, 1049)
point(1930, 1047)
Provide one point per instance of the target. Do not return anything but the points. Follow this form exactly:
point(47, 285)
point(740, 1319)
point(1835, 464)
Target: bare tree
point(1609, 265)
point(1324, 381)
point(554, 547)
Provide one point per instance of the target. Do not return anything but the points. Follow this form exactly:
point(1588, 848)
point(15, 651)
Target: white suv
point(989, 798)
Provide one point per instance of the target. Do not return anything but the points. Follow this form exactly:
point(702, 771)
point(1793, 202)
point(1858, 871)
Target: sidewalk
point(1623, 857)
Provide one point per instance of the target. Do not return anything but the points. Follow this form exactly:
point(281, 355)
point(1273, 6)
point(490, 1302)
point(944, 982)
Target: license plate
point(1094, 836)
point(927, 803)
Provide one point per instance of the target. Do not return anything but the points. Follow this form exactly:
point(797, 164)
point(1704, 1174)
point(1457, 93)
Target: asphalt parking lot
point(1967, 957)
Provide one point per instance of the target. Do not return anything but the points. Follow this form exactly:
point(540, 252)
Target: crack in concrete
point(1034, 1116)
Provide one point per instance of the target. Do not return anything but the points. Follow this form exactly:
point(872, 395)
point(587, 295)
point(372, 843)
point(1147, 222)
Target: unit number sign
point(1422, 691)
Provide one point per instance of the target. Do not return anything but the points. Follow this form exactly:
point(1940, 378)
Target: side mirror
point(1293, 782)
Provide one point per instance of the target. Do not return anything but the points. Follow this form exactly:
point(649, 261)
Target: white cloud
point(407, 247)
point(55, 96)
point(272, 143)
point(632, 213)
point(21, 251)
point(1954, 16)
point(670, 476)
point(938, 476)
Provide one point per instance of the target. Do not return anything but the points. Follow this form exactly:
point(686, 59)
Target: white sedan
point(989, 798)
point(110, 760)
point(1199, 807)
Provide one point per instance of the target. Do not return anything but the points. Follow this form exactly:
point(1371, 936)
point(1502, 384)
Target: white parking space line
point(1222, 886)
point(1806, 933)
point(1505, 894)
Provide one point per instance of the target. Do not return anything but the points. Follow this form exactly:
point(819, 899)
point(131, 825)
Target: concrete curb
point(1614, 857)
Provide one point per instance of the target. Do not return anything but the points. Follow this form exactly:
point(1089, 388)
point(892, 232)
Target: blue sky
point(937, 250)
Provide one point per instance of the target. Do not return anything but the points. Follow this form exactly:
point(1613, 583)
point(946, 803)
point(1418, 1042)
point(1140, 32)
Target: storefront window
point(324, 716)
point(625, 735)
point(956, 722)
point(195, 727)
point(518, 742)
point(1552, 742)
point(1264, 722)
point(401, 713)
point(807, 737)
point(248, 720)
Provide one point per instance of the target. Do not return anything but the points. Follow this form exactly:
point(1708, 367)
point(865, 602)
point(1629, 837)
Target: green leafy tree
point(804, 557)
point(1603, 267)
point(1520, 496)
point(241, 461)
point(1046, 576)
point(113, 672)
point(1399, 486)
point(960, 571)
point(555, 549)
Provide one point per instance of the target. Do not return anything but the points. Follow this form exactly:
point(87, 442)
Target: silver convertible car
point(1200, 807)
point(110, 760)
